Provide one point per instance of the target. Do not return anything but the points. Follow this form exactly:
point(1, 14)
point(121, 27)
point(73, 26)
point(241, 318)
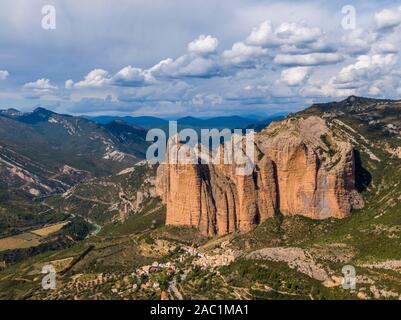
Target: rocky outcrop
point(301, 168)
point(296, 258)
point(315, 168)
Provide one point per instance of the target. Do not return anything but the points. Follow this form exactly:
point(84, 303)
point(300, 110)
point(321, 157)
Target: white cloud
point(295, 76)
point(286, 34)
point(43, 85)
point(95, 79)
point(199, 67)
point(367, 67)
point(203, 45)
point(240, 53)
point(298, 33)
point(359, 41)
point(310, 59)
point(130, 76)
point(325, 89)
point(186, 66)
point(388, 18)
point(4, 74)
point(69, 84)
point(198, 62)
point(160, 67)
point(39, 88)
point(127, 77)
point(262, 35)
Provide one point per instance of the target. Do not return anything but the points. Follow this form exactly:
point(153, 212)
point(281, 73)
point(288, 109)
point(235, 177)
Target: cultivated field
point(43, 232)
point(29, 239)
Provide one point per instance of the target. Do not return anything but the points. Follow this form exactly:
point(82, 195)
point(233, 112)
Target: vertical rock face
point(315, 168)
point(301, 168)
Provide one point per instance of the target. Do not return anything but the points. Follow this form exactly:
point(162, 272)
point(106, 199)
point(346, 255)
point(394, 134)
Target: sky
point(172, 58)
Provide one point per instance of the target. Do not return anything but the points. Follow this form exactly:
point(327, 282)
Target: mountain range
point(55, 139)
point(230, 122)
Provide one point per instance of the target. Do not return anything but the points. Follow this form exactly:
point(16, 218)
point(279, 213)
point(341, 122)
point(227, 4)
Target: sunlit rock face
point(301, 167)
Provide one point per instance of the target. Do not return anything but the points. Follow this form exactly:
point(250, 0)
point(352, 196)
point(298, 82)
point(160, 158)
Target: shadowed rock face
point(301, 168)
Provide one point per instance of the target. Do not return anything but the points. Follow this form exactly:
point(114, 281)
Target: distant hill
point(144, 121)
point(217, 122)
point(354, 105)
point(56, 139)
point(230, 122)
point(42, 152)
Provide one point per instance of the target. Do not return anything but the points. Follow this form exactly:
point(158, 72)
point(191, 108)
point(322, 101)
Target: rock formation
point(301, 167)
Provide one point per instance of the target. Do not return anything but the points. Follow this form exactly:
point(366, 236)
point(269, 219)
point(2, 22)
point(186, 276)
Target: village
point(158, 280)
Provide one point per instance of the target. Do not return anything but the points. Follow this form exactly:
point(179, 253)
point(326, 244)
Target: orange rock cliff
point(302, 167)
